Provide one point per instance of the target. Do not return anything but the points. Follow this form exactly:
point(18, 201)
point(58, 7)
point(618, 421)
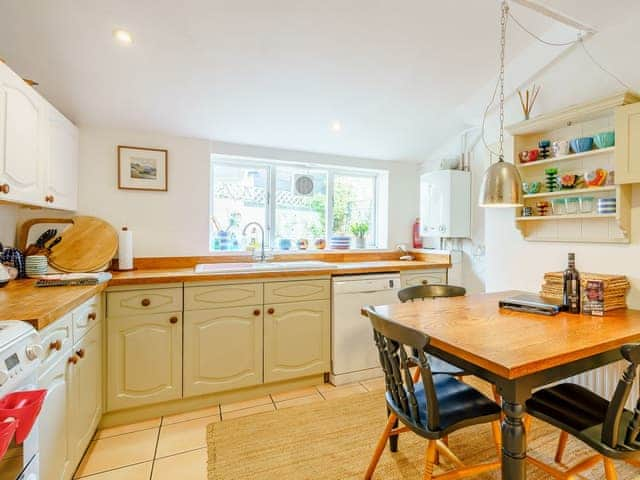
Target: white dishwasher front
point(354, 356)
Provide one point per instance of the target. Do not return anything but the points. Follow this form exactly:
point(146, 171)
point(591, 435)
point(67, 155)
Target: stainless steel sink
point(261, 266)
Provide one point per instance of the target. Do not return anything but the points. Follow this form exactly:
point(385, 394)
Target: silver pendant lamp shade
point(501, 186)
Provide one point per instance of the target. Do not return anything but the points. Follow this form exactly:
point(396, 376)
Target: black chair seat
point(460, 405)
point(581, 413)
point(440, 366)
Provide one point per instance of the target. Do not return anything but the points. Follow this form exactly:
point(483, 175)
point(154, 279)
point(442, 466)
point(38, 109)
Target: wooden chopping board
point(87, 246)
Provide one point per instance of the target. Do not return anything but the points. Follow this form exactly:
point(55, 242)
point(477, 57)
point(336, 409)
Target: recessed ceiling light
point(336, 126)
point(122, 36)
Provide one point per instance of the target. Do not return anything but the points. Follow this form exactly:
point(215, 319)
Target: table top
point(513, 344)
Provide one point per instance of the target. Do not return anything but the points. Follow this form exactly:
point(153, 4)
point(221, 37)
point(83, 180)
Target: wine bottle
point(571, 286)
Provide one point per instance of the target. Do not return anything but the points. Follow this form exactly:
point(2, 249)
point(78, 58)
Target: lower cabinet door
point(222, 349)
point(296, 339)
point(54, 422)
point(86, 391)
point(144, 363)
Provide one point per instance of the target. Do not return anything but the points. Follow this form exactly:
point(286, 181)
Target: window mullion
point(329, 212)
point(271, 207)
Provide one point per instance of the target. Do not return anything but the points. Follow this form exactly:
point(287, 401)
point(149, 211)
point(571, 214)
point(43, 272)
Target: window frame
point(380, 177)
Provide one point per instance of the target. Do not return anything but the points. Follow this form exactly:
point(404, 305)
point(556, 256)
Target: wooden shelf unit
point(577, 121)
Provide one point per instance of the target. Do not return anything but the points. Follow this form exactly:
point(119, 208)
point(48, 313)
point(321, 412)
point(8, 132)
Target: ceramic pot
point(560, 148)
point(361, 242)
point(320, 243)
point(302, 244)
point(285, 244)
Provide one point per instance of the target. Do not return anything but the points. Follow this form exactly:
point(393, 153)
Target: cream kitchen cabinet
point(144, 355)
point(627, 154)
point(297, 339)
point(222, 349)
point(61, 167)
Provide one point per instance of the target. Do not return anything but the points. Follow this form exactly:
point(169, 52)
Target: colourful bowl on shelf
point(583, 144)
point(605, 139)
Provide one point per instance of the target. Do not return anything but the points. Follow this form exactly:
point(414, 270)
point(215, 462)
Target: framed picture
point(142, 168)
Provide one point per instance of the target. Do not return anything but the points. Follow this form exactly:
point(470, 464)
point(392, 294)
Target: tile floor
point(175, 446)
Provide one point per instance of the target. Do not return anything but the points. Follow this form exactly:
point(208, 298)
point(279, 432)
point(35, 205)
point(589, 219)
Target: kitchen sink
point(261, 266)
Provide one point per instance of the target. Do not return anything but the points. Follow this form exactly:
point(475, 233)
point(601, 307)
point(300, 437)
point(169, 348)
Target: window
point(293, 202)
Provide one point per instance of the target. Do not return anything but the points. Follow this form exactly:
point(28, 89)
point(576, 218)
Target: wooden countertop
point(22, 300)
point(513, 344)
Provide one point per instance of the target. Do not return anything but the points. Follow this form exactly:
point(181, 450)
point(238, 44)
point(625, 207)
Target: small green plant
point(359, 229)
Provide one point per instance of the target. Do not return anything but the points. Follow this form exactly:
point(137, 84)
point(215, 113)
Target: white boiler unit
point(445, 204)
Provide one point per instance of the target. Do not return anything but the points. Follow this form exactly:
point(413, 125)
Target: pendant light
point(501, 184)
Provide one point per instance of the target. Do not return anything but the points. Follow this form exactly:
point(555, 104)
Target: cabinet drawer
point(296, 291)
point(140, 302)
point(85, 317)
point(428, 277)
point(57, 339)
point(216, 296)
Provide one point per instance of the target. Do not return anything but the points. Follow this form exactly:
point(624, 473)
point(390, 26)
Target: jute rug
point(334, 439)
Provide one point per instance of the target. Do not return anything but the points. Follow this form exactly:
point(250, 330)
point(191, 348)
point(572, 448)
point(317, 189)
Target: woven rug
point(334, 440)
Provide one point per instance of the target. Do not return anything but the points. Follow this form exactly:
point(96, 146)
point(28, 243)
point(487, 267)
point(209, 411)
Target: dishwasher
point(354, 356)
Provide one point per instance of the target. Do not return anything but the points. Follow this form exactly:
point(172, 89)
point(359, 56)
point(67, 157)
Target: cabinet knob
point(145, 302)
point(73, 359)
point(425, 282)
point(92, 316)
point(256, 312)
point(80, 352)
point(49, 198)
point(5, 188)
point(271, 311)
point(57, 345)
point(173, 320)
point(52, 198)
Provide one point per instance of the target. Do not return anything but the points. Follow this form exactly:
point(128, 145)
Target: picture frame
point(142, 168)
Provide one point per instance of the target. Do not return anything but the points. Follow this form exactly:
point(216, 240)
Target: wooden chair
point(432, 407)
point(606, 426)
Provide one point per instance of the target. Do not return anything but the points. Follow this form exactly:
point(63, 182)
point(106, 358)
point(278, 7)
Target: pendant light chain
point(503, 42)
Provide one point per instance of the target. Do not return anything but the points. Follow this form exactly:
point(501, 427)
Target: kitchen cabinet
point(85, 391)
point(222, 349)
point(61, 180)
point(144, 359)
point(412, 278)
point(296, 339)
point(627, 154)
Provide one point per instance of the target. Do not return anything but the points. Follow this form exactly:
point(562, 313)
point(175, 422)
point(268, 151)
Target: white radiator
point(604, 380)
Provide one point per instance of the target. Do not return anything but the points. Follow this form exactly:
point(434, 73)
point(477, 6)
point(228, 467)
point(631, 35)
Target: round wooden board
point(86, 246)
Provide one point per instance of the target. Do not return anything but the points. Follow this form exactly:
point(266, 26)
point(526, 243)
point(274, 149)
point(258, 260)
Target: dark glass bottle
point(571, 286)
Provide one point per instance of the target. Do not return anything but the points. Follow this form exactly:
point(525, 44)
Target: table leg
point(514, 442)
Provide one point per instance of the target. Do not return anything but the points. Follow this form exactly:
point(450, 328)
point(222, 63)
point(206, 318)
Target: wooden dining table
point(516, 351)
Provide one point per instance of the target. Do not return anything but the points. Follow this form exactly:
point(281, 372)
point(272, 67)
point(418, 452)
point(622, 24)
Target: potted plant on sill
point(359, 230)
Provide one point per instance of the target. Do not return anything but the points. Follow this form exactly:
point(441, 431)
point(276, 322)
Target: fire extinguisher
point(417, 239)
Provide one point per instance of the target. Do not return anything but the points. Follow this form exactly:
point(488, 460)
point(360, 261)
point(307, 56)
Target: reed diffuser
point(528, 99)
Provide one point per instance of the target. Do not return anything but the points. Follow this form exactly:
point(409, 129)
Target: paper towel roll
point(125, 249)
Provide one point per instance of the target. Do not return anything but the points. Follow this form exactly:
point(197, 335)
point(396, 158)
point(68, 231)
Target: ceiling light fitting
point(122, 36)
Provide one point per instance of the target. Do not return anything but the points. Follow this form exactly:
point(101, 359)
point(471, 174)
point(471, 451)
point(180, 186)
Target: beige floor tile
point(141, 471)
point(323, 387)
point(185, 466)
point(294, 402)
point(181, 417)
point(301, 392)
point(122, 450)
point(373, 384)
point(183, 436)
point(232, 407)
point(248, 411)
point(344, 391)
point(132, 427)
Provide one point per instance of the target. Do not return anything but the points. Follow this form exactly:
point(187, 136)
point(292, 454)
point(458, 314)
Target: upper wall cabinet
point(627, 159)
point(38, 148)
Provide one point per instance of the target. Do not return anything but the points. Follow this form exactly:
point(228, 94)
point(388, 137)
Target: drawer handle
point(173, 320)
point(271, 311)
point(57, 345)
point(256, 312)
point(92, 316)
point(145, 302)
point(5, 188)
point(425, 282)
point(80, 352)
point(73, 359)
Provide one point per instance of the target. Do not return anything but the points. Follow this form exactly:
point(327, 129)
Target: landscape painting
point(142, 168)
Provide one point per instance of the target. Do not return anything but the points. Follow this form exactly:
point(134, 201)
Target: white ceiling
point(274, 73)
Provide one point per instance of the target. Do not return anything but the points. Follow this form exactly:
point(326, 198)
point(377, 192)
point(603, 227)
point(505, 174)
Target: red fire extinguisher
point(417, 239)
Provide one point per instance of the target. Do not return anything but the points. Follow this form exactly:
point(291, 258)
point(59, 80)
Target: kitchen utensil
point(596, 178)
point(605, 139)
point(560, 148)
point(534, 154)
point(586, 204)
point(31, 230)
point(559, 206)
point(572, 205)
point(551, 179)
point(285, 244)
point(524, 156)
point(545, 150)
point(320, 243)
point(54, 243)
point(531, 187)
point(86, 246)
point(568, 180)
point(340, 242)
point(302, 244)
point(607, 205)
point(543, 208)
point(46, 236)
point(4, 276)
point(582, 144)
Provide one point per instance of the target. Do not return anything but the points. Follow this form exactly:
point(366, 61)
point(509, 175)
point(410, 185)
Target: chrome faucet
point(262, 257)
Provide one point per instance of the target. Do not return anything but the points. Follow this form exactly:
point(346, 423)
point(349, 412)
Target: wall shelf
point(572, 192)
point(565, 217)
point(563, 158)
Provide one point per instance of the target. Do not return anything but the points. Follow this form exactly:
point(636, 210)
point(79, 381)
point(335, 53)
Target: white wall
point(8, 220)
point(512, 262)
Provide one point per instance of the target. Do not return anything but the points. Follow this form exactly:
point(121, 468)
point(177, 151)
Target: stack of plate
point(607, 205)
point(36, 265)
point(340, 242)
